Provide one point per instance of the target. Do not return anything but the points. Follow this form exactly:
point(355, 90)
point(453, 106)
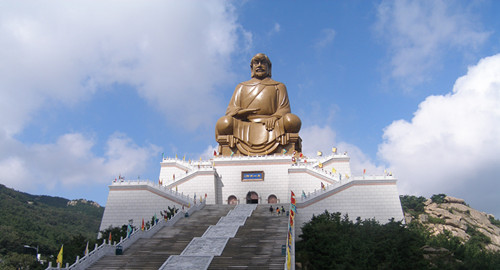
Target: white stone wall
point(169, 168)
point(201, 184)
point(134, 202)
point(307, 181)
point(275, 181)
point(361, 198)
point(373, 197)
point(341, 163)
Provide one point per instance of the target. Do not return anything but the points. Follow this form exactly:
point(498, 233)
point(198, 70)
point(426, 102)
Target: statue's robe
point(271, 98)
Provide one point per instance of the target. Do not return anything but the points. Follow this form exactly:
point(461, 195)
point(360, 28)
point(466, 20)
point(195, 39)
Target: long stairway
point(151, 253)
point(257, 244)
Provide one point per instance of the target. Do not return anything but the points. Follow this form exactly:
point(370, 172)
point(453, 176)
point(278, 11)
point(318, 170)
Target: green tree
point(15, 261)
point(438, 198)
point(116, 233)
point(330, 241)
point(412, 204)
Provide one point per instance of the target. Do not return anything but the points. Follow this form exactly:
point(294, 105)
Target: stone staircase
point(151, 253)
point(257, 244)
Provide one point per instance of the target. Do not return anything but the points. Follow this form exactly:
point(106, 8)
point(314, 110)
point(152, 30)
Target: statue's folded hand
point(244, 113)
point(270, 122)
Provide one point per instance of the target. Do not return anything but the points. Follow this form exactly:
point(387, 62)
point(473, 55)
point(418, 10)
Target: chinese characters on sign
point(252, 176)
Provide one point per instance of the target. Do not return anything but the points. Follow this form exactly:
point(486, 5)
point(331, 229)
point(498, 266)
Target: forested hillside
point(43, 221)
point(448, 235)
point(440, 233)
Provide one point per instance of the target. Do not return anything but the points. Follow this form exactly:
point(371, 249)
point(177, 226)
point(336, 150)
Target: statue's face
point(260, 68)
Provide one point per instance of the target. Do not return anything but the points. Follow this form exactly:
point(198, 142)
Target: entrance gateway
point(252, 197)
point(272, 199)
point(232, 200)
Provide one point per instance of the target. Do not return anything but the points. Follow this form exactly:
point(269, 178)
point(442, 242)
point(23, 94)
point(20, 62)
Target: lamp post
point(36, 249)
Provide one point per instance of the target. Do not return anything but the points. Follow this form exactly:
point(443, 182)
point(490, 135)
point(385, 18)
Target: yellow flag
point(60, 256)
point(320, 153)
point(288, 258)
point(333, 170)
point(334, 150)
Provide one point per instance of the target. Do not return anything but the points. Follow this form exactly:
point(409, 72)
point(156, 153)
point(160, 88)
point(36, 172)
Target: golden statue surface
point(258, 119)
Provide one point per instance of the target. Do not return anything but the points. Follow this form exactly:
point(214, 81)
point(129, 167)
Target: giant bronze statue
point(258, 119)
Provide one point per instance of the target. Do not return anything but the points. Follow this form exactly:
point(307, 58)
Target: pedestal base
point(228, 145)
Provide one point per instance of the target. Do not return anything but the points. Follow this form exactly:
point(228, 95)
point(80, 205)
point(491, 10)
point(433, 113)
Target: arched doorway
point(272, 199)
point(252, 197)
point(232, 200)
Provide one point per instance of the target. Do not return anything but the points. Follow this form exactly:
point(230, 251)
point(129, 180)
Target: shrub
point(438, 198)
point(412, 204)
point(435, 220)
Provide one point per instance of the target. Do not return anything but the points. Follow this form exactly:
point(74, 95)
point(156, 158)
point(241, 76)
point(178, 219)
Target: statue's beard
point(260, 74)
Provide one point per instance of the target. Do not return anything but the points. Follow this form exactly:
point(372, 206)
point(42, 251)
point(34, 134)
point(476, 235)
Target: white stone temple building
point(319, 184)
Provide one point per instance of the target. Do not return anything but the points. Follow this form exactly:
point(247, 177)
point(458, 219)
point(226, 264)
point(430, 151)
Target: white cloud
point(71, 163)
point(276, 28)
point(62, 52)
point(360, 161)
point(208, 153)
point(452, 143)
point(316, 138)
point(418, 32)
point(326, 38)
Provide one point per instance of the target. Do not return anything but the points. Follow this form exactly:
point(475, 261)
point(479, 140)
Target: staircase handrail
point(329, 187)
point(318, 171)
point(107, 248)
point(189, 174)
point(162, 188)
point(193, 165)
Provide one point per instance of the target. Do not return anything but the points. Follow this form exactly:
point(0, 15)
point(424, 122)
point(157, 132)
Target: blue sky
point(93, 89)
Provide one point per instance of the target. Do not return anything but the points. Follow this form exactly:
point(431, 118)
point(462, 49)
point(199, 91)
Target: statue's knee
point(224, 125)
point(292, 123)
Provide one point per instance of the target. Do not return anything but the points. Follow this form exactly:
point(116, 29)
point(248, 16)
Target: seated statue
point(258, 120)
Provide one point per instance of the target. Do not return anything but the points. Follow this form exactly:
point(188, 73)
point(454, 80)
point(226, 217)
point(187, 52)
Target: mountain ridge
point(44, 221)
point(442, 214)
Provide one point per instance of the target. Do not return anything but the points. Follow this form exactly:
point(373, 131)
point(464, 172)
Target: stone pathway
point(151, 253)
point(258, 244)
point(201, 250)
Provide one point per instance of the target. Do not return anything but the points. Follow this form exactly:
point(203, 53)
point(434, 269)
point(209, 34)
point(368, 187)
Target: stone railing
point(318, 192)
point(189, 174)
point(107, 248)
point(323, 172)
point(374, 177)
point(163, 188)
point(265, 157)
point(314, 171)
point(190, 165)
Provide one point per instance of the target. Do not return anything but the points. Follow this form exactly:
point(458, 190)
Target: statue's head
point(260, 66)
